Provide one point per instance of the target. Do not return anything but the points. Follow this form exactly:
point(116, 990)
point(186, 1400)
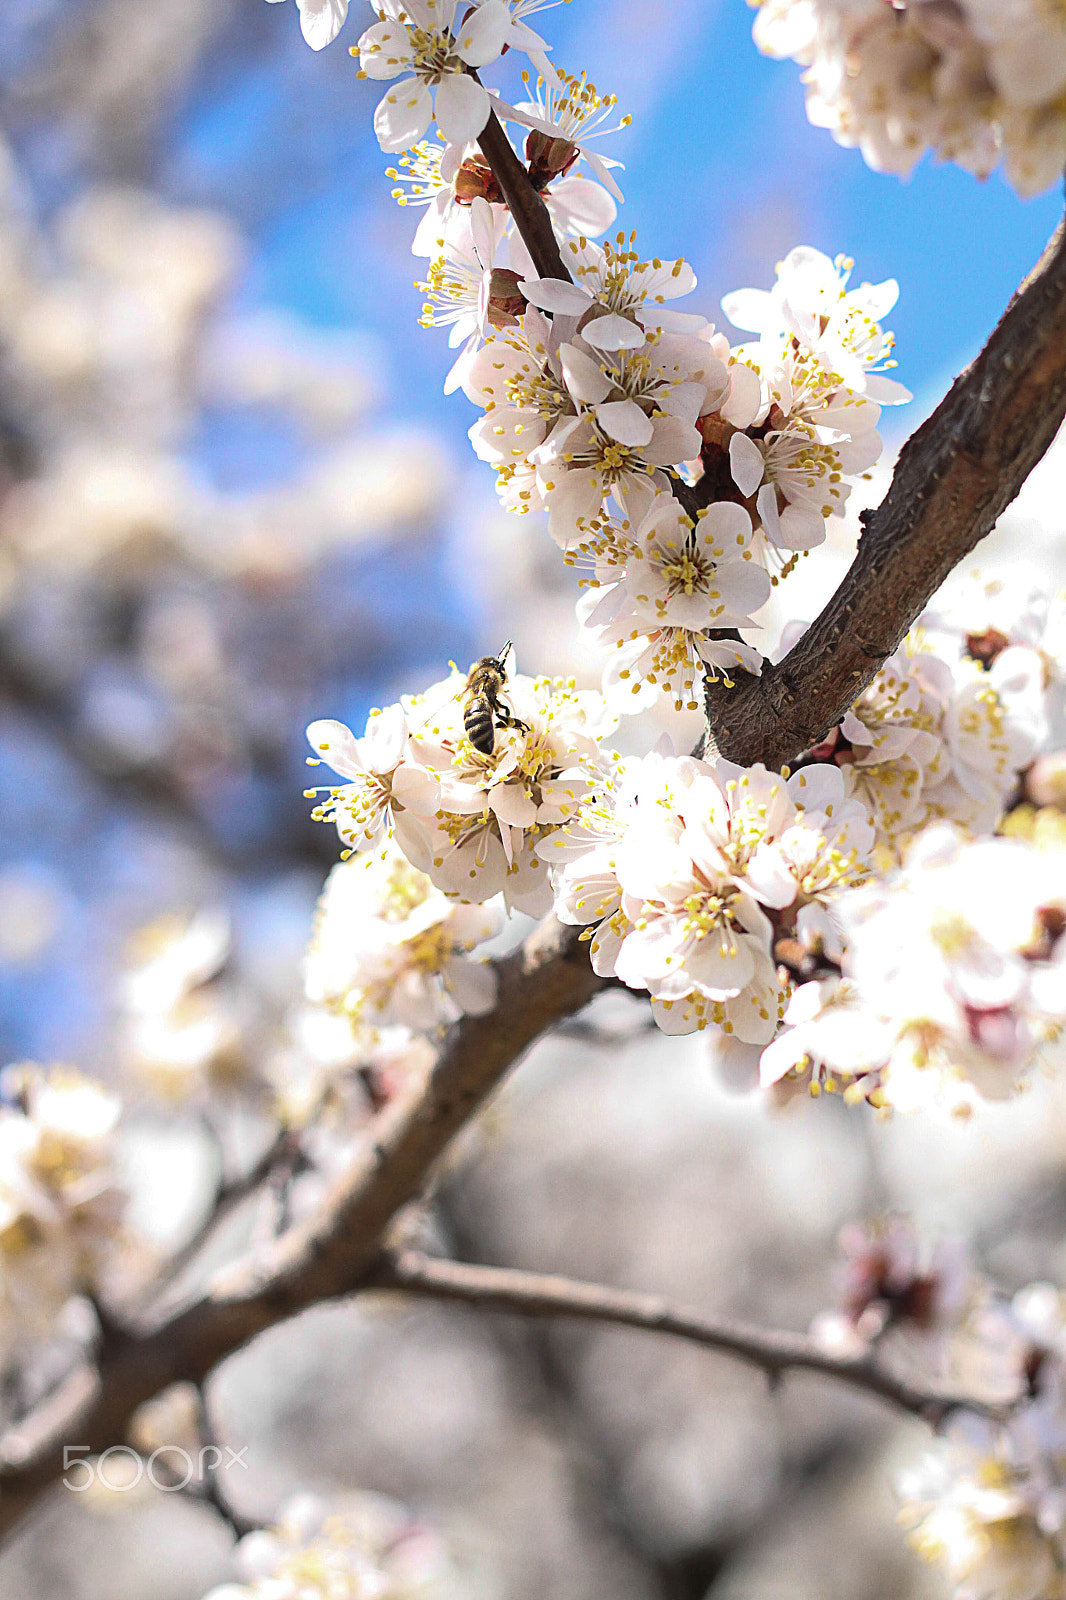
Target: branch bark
point(954, 478)
point(535, 1294)
point(331, 1253)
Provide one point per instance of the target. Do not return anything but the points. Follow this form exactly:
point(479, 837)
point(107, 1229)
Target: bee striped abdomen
point(478, 722)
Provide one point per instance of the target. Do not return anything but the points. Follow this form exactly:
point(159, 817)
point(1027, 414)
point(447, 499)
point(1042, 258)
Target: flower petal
point(337, 745)
point(322, 20)
point(403, 115)
point(551, 294)
point(624, 421)
point(462, 108)
point(746, 463)
point(585, 380)
point(750, 309)
point(613, 333)
point(483, 33)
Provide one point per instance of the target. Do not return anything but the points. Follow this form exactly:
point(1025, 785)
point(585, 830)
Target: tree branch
point(333, 1252)
point(524, 203)
point(955, 477)
point(535, 1294)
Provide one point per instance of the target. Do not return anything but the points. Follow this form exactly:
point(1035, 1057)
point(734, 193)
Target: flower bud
point(506, 300)
point(476, 180)
point(548, 157)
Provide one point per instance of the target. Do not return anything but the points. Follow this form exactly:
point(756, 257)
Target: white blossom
point(424, 39)
point(953, 978)
point(183, 1026)
point(976, 81)
point(680, 581)
point(625, 294)
point(838, 329)
point(60, 1202)
point(472, 821)
point(361, 808)
point(981, 615)
point(389, 948)
point(460, 285)
point(570, 422)
point(354, 1547)
point(569, 112)
point(974, 1511)
point(684, 870)
point(931, 739)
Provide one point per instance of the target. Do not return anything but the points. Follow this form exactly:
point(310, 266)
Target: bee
point(483, 710)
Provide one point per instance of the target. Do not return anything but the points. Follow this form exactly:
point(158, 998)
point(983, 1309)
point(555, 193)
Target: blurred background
point(233, 498)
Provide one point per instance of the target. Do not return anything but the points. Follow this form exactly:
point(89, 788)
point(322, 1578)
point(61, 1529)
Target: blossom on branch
point(661, 611)
point(687, 873)
point(389, 948)
point(976, 81)
point(435, 41)
point(934, 740)
point(565, 114)
point(954, 978)
point(362, 807)
point(593, 404)
point(470, 820)
point(811, 427)
point(355, 1547)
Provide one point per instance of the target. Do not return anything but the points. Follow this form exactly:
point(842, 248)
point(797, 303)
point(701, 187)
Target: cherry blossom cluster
point(603, 403)
point(603, 414)
point(389, 948)
point(685, 475)
point(441, 837)
point(941, 735)
point(688, 874)
point(472, 822)
point(358, 1547)
point(989, 1504)
point(976, 81)
point(952, 979)
point(61, 1204)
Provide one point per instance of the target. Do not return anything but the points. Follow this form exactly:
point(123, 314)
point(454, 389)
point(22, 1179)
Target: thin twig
point(535, 1294)
point(280, 1153)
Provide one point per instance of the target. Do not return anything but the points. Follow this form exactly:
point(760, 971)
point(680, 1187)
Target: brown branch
point(331, 1253)
point(523, 202)
point(954, 478)
point(535, 1294)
